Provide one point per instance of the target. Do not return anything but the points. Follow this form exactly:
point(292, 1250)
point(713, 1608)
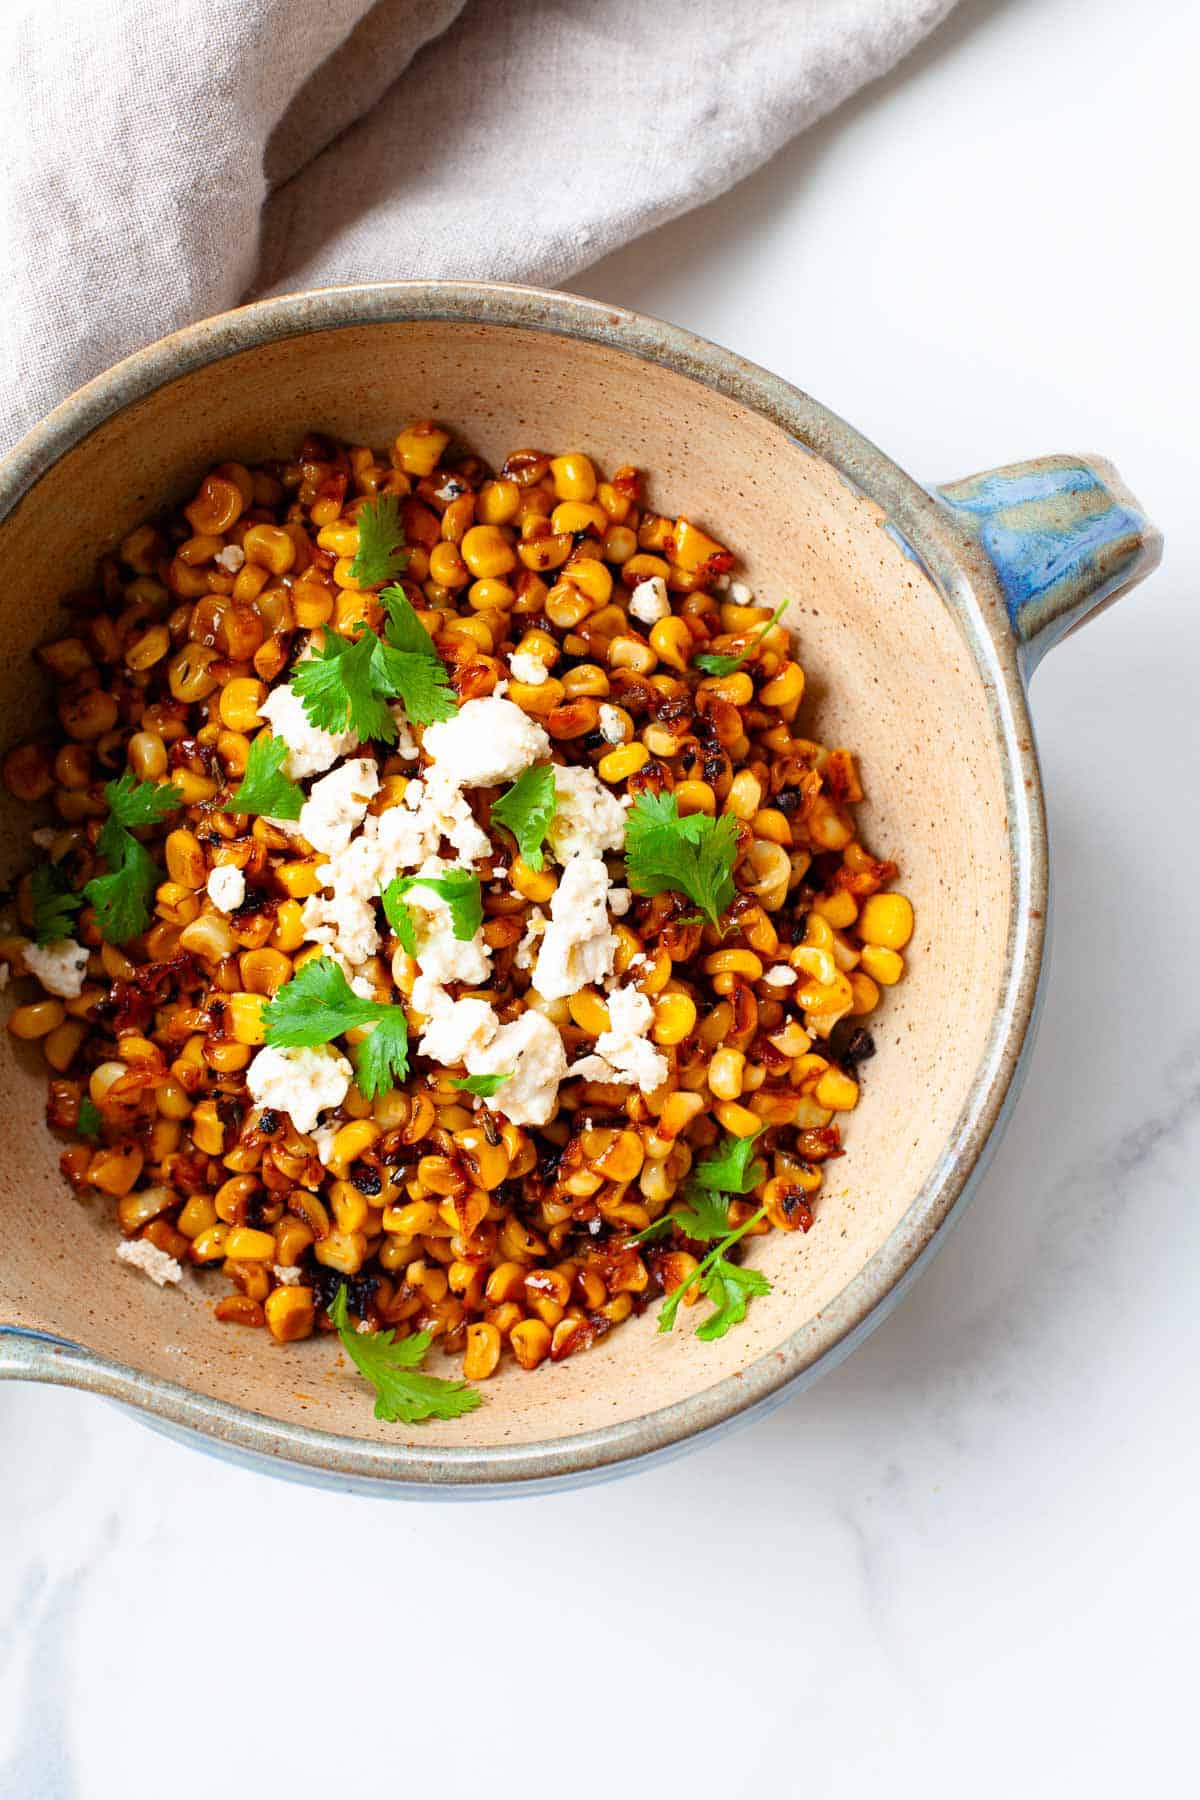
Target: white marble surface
point(964, 1562)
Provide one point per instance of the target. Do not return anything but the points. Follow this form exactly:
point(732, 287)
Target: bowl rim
point(967, 585)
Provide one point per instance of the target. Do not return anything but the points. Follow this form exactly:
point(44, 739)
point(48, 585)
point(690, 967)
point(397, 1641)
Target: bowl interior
point(889, 675)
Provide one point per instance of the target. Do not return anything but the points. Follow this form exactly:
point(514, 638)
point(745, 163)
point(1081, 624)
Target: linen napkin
point(166, 159)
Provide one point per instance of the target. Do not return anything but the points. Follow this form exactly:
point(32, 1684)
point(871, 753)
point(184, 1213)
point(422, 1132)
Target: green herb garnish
point(713, 663)
point(380, 555)
point(728, 1285)
point(55, 903)
point(732, 1168)
point(459, 888)
point(402, 1396)
point(264, 788)
point(319, 1004)
point(417, 673)
point(527, 809)
point(122, 897)
point(693, 855)
point(89, 1121)
point(483, 1085)
point(348, 681)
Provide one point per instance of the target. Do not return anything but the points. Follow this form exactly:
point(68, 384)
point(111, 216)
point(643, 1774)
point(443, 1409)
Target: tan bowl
point(917, 616)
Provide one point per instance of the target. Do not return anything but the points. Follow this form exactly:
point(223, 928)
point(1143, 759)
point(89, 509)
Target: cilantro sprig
point(319, 1004)
point(485, 1086)
point(264, 788)
point(459, 888)
point(122, 897)
point(55, 903)
point(714, 663)
point(527, 809)
point(728, 1285)
point(402, 1396)
point(693, 855)
point(381, 555)
point(349, 681)
point(731, 1170)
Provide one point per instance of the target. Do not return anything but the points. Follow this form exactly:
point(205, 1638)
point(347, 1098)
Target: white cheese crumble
point(441, 957)
point(287, 1277)
point(337, 804)
point(141, 1254)
point(310, 750)
point(650, 601)
point(620, 900)
point(458, 1029)
point(226, 887)
point(230, 558)
point(579, 944)
point(530, 1053)
point(59, 966)
point(780, 976)
point(535, 928)
point(302, 1081)
point(612, 726)
point(524, 666)
point(486, 742)
point(622, 1053)
point(740, 594)
point(590, 819)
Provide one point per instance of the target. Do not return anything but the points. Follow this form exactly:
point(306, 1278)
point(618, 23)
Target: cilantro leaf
point(55, 903)
point(122, 897)
point(705, 1217)
point(132, 802)
point(319, 1004)
point(693, 855)
point(459, 888)
point(403, 630)
point(730, 1287)
point(380, 555)
point(483, 1085)
point(410, 663)
point(89, 1121)
point(402, 1396)
point(732, 1168)
point(712, 663)
point(527, 809)
point(264, 788)
point(342, 685)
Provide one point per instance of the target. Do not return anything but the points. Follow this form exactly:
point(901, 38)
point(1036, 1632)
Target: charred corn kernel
point(263, 971)
point(573, 476)
point(418, 448)
point(342, 1250)
point(744, 796)
point(59, 1046)
point(486, 551)
point(88, 715)
point(447, 567)
point(836, 1091)
point(736, 689)
point(726, 1073)
point(350, 1210)
point(312, 604)
point(218, 504)
point(340, 536)
point(506, 1282)
point(674, 1018)
point(246, 1245)
point(579, 515)
point(547, 552)
point(197, 1214)
point(785, 690)
point(672, 642)
point(208, 1133)
point(171, 1102)
point(630, 653)
point(532, 884)
point(146, 754)
point(656, 972)
point(189, 672)
point(244, 1013)
point(694, 549)
point(482, 1352)
point(694, 797)
point(37, 1020)
point(349, 1143)
point(829, 826)
point(622, 762)
point(498, 502)
point(209, 937)
point(734, 962)
point(737, 1120)
point(491, 595)
point(864, 992)
point(240, 701)
point(300, 879)
point(589, 577)
point(290, 1314)
point(840, 909)
point(886, 921)
point(288, 934)
point(622, 1160)
point(194, 789)
point(678, 1112)
point(589, 1012)
point(115, 1171)
point(883, 965)
point(185, 859)
point(270, 547)
point(209, 1246)
point(148, 649)
point(530, 1342)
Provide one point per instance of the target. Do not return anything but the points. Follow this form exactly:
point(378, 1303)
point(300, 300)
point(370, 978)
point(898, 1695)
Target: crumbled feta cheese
point(226, 887)
point(59, 966)
point(524, 666)
point(230, 558)
point(620, 900)
point(486, 742)
point(612, 726)
point(337, 804)
point(622, 1053)
point(302, 1081)
point(310, 750)
point(141, 1254)
point(405, 746)
point(740, 594)
point(287, 1277)
point(443, 811)
point(530, 1052)
point(590, 818)
point(780, 976)
point(441, 957)
point(650, 601)
point(323, 1136)
point(534, 929)
point(44, 837)
point(579, 944)
point(457, 1029)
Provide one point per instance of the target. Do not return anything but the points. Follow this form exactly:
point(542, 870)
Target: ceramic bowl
point(919, 614)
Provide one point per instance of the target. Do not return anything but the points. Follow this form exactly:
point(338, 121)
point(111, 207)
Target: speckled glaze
point(918, 615)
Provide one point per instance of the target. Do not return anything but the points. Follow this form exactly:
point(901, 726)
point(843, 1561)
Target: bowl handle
point(1065, 537)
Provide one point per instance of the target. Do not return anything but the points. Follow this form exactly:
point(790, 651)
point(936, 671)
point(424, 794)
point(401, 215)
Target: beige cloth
point(165, 159)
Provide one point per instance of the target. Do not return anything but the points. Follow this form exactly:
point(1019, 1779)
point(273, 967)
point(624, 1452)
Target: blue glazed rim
point(1020, 556)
